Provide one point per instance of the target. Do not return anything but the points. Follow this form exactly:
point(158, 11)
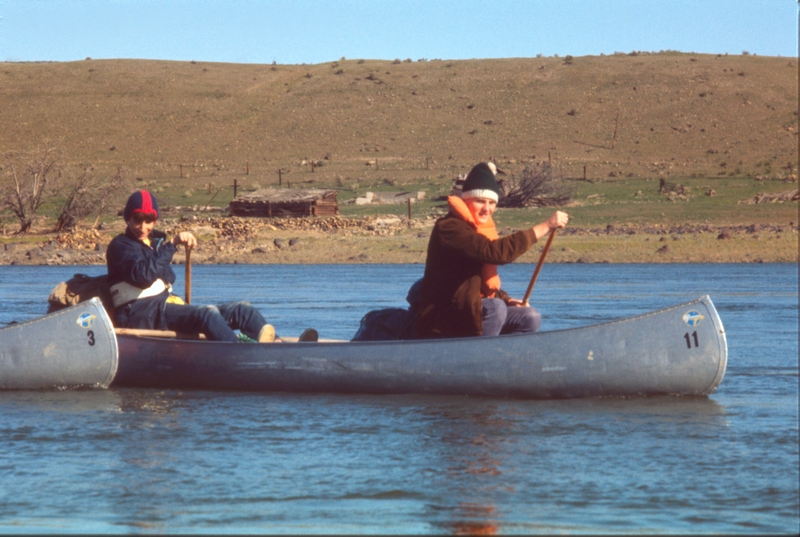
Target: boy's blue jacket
point(132, 261)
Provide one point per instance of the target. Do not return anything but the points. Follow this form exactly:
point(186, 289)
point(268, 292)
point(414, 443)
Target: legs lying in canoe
point(219, 322)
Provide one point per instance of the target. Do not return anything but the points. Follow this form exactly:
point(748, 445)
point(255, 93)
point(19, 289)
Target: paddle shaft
point(188, 276)
point(538, 267)
point(144, 332)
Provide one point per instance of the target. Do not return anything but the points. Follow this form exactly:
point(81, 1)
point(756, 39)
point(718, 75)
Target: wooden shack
point(286, 202)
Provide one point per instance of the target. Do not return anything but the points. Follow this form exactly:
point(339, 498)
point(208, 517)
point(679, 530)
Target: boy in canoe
point(461, 293)
point(140, 278)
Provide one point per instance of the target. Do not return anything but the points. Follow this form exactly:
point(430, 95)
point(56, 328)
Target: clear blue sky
point(317, 31)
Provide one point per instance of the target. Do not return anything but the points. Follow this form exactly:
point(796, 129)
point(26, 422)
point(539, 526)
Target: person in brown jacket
point(461, 295)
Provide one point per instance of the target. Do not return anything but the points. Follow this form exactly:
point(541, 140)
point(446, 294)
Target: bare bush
point(33, 175)
point(536, 188)
point(87, 194)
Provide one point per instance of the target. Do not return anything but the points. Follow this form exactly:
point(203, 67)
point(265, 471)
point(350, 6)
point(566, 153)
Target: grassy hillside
point(185, 129)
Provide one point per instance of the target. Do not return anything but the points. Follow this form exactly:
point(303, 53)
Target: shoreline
point(394, 240)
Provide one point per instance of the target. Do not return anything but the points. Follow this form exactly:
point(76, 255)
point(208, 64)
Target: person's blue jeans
point(501, 319)
point(216, 322)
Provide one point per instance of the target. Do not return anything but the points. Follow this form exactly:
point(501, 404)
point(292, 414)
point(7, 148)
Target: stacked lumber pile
point(776, 197)
point(390, 197)
point(286, 202)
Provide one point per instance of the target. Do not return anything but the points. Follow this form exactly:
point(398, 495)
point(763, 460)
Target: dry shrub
point(87, 194)
point(537, 187)
point(33, 174)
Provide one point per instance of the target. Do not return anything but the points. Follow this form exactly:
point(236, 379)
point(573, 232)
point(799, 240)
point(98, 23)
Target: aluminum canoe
point(676, 350)
point(73, 347)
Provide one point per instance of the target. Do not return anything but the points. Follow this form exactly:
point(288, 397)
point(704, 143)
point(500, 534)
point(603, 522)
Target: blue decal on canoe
point(86, 320)
point(693, 318)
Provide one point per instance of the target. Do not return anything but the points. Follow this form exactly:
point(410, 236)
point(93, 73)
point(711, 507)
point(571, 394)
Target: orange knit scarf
point(490, 280)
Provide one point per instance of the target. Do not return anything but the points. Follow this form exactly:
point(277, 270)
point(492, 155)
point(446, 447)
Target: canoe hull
point(678, 350)
point(73, 347)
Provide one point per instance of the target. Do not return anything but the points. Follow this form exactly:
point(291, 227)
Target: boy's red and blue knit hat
point(140, 201)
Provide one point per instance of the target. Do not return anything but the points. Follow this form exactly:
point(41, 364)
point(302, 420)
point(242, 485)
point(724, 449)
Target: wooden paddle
point(538, 267)
point(188, 276)
point(144, 332)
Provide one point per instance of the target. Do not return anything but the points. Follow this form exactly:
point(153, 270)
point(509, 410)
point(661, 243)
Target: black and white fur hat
point(480, 183)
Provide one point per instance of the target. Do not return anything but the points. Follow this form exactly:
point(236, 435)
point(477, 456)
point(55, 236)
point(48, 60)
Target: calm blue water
point(152, 461)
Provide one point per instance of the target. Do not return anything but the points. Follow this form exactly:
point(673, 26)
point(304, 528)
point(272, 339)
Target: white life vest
point(122, 293)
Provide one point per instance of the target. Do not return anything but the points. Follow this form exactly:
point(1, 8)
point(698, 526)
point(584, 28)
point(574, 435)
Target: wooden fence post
point(409, 208)
point(235, 186)
point(616, 126)
point(280, 178)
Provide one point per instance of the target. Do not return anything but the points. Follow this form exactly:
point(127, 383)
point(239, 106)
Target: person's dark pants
point(216, 322)
point(501, 319)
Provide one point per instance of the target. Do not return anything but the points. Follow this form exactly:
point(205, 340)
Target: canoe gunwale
point(705, 299)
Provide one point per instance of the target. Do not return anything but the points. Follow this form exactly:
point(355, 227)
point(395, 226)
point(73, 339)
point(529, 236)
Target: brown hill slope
point(678, 114)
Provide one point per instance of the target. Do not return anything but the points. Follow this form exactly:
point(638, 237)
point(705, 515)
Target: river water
point(155, 461)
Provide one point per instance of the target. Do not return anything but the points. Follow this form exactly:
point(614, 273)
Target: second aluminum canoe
point(73, 347)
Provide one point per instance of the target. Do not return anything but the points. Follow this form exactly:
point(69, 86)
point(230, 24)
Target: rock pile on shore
point(90, 239)
point(303, 240)
point(245, 228)
point(221, 239)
